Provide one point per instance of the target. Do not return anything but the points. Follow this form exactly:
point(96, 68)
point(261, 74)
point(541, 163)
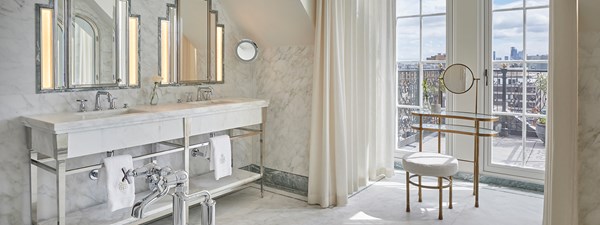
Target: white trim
point(561, 183)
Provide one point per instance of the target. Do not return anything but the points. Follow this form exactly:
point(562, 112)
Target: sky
point(507, 28)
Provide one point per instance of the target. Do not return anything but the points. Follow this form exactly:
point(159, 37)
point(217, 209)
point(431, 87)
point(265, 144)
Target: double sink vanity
point(53, 139)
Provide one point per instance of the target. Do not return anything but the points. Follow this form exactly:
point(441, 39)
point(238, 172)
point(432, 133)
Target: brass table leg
point(407, 193)
point(440, 217)
point(450, 194)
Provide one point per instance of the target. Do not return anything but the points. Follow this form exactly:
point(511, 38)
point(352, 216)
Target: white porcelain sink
point(105, 113)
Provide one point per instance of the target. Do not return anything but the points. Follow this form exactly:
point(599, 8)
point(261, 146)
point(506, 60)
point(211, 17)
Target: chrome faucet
point(204, 93)
point(110, 98)
point(161, 181)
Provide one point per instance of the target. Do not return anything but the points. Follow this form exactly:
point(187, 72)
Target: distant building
point(439, 56)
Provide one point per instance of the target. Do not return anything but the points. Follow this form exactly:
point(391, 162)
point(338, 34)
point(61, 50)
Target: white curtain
point(353, 114)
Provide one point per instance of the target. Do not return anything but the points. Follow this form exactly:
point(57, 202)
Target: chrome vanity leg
point(61, 166)
point(33, 178)
point(262, 150)
point(60, 157)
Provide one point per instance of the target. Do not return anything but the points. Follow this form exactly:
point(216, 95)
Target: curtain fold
point(353, 109)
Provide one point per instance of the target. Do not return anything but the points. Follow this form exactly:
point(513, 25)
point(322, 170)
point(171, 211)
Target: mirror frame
point(250, 42)
point(61, 81)
point(458, 64)
point(173, 54)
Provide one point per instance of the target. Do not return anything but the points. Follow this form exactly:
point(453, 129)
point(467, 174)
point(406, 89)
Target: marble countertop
point(59, 123)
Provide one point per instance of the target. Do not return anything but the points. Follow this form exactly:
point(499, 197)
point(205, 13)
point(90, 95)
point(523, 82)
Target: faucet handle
point(127, 174)
point(113, 103)
point(82, 104)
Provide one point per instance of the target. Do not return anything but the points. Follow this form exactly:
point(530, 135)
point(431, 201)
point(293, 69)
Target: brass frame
point(476, 135)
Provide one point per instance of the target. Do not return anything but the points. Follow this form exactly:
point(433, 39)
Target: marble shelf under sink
point(99, 214)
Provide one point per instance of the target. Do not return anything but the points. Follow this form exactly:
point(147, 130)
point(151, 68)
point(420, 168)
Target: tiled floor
point(381, 203)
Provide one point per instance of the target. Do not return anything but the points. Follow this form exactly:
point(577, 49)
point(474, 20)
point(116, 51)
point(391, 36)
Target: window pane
point(538, 21)
point(507, 32)
point(407, 39)
point(408, 84)
point(431, 86)
point(535, 144)
point(407, 136)
point(407, 7)
point(537, 88)
point(508, 87)
point(508, 145)
point(434, 6)
point(507, 4)
point(434, 38)
point(531, 3)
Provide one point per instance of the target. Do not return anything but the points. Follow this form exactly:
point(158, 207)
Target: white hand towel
point(220, 156)
point(120, 193)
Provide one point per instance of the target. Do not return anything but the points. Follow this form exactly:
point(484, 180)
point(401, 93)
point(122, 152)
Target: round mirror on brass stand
point(459, 79)
point(246, 50)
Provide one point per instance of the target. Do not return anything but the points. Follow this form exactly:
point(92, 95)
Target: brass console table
point(476, 131)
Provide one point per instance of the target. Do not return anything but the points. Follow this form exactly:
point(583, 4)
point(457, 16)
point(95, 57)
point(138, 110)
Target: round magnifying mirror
point(246, 50)
point(458, 78)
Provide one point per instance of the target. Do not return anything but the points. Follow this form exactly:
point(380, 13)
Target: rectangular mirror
point(194, 45)
point(102, 49)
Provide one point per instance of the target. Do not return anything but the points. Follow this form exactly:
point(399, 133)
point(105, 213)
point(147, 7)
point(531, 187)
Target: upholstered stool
point(431, 165)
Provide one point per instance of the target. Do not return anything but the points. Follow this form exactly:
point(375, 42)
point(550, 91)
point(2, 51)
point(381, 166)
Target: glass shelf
point(457, 115)
point(457, 129)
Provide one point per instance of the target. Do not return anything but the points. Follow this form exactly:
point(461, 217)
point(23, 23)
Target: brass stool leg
point(420, 195)
point(450, 194)
point(440, 217)
point(407, 193)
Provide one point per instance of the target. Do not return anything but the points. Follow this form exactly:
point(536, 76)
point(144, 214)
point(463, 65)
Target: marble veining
point(589, 126)
point(285, 79)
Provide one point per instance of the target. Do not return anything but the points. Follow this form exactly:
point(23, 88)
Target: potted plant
point(542, 87)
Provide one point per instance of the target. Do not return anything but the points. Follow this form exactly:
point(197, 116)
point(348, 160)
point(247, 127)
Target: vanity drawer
point(108, 139)
point(223, 121)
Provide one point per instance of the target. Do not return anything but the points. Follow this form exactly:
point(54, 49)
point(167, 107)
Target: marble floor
point(383, 202)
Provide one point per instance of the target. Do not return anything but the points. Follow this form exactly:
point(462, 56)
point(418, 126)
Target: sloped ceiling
point(274, 22)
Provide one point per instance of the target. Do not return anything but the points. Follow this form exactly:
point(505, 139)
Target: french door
point(516, 86)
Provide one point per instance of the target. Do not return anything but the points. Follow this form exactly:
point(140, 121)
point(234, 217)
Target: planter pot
point(540, 130)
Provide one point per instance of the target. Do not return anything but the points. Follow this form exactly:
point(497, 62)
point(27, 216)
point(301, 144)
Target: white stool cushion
point(430, 164)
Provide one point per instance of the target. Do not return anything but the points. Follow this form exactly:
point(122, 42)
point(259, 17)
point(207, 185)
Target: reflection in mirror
point(85, 62)
point(246, 50)
point(168, 42)
point(458, 78)
point(194, 46)
point(92, 47)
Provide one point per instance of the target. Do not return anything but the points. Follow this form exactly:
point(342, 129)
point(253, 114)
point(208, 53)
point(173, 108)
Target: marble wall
point(18, 98)
point(589, 106)
point(284, 77)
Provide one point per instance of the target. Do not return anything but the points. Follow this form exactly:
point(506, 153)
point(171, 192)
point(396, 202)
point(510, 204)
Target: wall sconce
point(133, 51)
point(47, 48)
point(219, 55)
point(164, 51)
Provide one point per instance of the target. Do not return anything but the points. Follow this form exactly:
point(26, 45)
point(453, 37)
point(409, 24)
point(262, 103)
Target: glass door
point(517, 86)
point(421, 56)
